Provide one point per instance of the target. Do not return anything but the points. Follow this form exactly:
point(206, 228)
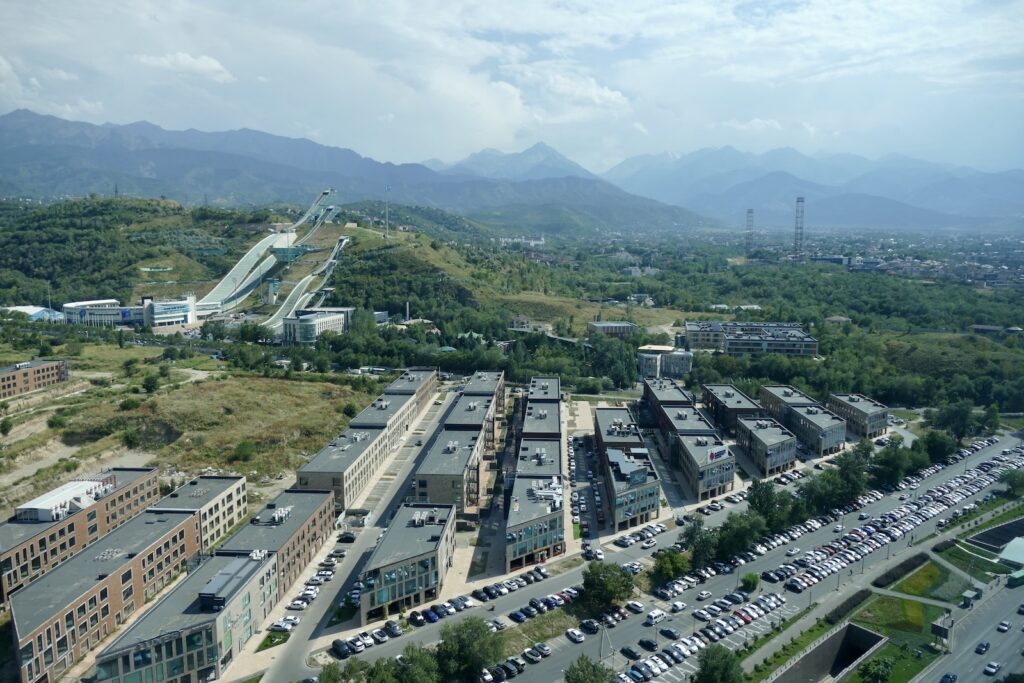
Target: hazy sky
point(406, 80)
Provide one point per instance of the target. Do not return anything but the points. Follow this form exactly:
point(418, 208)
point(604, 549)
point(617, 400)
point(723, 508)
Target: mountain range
point(48, 157)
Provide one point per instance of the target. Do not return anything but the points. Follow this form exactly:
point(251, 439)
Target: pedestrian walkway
point(939, 559)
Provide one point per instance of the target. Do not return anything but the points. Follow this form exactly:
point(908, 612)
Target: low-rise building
point(159, 314)
point(544, 390)
point(69, 610)
point(654, 360)
point(419, 383)
point(776, 398)
point(864, 417)
point(450, 471)
point(487, 383)
point(821, 431)
point(620, 329)
point(771, 446)
point(32, 375)
point(408, 566)
point(616, 428)
point(726, 404)
point(474, 414)
point(304, 326)
point(542, 420)
point(677, 364)
point(707, 464)
point(632, 486)
point(346, 465)
point(738, 338)
point(219, 503)
point(49, 529)
point(535, 512)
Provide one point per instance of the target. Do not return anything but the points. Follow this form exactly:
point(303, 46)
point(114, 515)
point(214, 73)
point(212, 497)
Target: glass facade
point(395, 583)
point(158, 662)
point(537, 536)
point(636, 502)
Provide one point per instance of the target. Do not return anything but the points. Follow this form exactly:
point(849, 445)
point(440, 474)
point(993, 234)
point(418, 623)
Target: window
point(126, 577)
point(127, 593)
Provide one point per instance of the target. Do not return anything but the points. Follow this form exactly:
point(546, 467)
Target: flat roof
point(617, 428)
point(766, 430)
point(27, 364)
point(113, 303)
point(731, 396)
point(689, 420)
point(263, 534)
point(380, 412)
point(197, 493)
point(449, 452)
point(630, 470)
point(545, 389)
point(410, 381)
point(534, 498)
point(469, 412)
point(52, 593)
point(860, 403)
point(483, 383)
point(668, 391)
point(13, 532)
point(789, 395)
point(542, 418)
point(656, 348)
point(342, 451)
point(405, 540)
point(700, 449)
point(819, 416)
point(738, 326)
point(181, 610)
point(539, 457)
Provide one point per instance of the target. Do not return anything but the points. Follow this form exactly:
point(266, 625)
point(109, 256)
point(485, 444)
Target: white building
point(154, 313)
point(306, 326)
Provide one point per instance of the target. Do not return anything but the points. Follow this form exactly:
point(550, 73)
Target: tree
point(955, 418)
point(355, 669)
point(762, 498)
point(151, 383)
point(604, 584)
point(852, 468)
point(331, 673)
point(418, 665)
point(700, 542)
point(937, 445)
point(466, 647)
point(749, 582)
point(6, 425)
point(717, 664)
point(350, 410)
point(990, 423)
point(670, 564)
point(877, 670)
point(737, 532)
point(129, 366)
point(165, 370)
point(1014, 480)
point(586, 670)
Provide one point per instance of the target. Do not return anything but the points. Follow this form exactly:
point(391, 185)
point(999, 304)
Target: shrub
point(897, 572)
point(851, 603)
point(56, 421)
point(943, 546)
point(129, 404)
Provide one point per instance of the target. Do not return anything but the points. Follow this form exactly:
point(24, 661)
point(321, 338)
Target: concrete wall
point(833, 657)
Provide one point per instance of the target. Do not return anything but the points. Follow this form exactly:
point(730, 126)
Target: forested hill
point(94, 248)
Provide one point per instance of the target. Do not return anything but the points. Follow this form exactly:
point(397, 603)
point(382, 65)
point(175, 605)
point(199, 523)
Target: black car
point(481, 595)
point(949, 678)
point(528, 577)
point(491, 591)
point(671, 633)
point(589, 626)
point(982, 648)
point(510, 671)
point(498, 674)
point(631, 652)
point(341, 649)
point(416, 619)
point(441, 612)
point(346, 537)
point(648, 644)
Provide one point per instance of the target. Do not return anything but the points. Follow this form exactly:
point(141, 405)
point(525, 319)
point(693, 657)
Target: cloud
point(58, 74)
point(639, 127)
point(184, 63)
point(753, 125)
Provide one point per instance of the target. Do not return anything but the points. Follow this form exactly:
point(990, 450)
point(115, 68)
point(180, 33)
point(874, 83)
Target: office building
point(535, 505)
point(725, 404)
point(667, 393)
point(304, 326)
point(544, 390)
point(33, 375)
point(615, 428)
point(294, 526)
point(51, 528)
point(542, 420)
point(776, 399)
point(648, 364)
point(706, 462)
point(654, 360)
point(163, 315)
point(219, 503)
point(69, 610)
point(864, 417)
point(450, 472)
point(632, 487)
point(35, 314)
point(738, 338)
point(620, 329)
point(771, 446)
point(821, 431)
point(419, 383)
point(409, 564)
point(677, 364)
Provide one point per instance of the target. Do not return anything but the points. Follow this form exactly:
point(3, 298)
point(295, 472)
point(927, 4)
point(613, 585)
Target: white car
point(634, 606)
point(297, 605)
point(575, 635)
point(649, 543)
point(792, 551)
point(678, 606)
point(703, 595)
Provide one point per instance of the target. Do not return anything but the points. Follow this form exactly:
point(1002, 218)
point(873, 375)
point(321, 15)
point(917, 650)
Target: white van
point(655, 616)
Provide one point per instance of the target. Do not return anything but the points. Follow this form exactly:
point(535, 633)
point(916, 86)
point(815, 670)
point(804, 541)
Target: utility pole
point(387, 213)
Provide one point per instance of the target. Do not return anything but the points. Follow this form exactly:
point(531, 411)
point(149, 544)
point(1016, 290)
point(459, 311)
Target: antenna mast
point(798, 234)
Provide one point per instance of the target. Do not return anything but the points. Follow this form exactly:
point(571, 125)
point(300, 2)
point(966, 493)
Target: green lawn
point(907, 665)
point(542, 627)
point(576, 531)
point(907, 623)
point(273, 639)
point(977, 567)
point(933, 581)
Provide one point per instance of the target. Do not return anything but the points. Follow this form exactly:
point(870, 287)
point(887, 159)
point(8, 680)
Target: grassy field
point(907, 623)
point(273, 639)
point(978, 567)
point(933, 581)
point(540, 628)
point(548, 308)
point(1015, 423)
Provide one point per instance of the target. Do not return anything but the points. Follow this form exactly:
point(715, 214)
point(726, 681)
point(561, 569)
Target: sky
point(409, 80)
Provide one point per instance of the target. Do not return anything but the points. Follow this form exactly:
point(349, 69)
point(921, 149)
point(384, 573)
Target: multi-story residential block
point(771, 446)
point(864, 417)
point(738, 338)
point(677, 364)
point(544, 389)
point(450, 472)
point(346, 465)
point(620, 329)
point(488, 384)
point(419, 383)
point(72, 608)
point(474, 414)
point(220, 503)
point(409, 564)
point(535, 512)
point(726, 404)
point(49, 529)
point(707, 464)
point(542, 420)
point(667, 393)
point(32, 375)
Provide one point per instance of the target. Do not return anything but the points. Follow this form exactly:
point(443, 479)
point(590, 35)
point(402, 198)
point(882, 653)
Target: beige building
point(771, 446)
point(220, 503)
point(450, 472)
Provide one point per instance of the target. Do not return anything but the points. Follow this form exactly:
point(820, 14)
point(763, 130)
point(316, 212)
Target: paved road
point(978, 626)
point(631, 630)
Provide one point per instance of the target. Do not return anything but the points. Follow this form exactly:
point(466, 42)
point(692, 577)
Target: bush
point(851, 603)
point(56, 421)
point(899, 571)
point(129, 404)
point(943, 546)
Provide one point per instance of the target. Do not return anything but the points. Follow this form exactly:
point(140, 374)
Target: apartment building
point(476, 415)
point(419, 383)
point(28, 376)
point(535, 511)
point(293, 526)
point(71, 609)
point(771, 446)
point(738, 338)
point(667, 393)
point(450, 471)
point(542, 420)
point(864, 417)
point(220, 503)
point(346, 465)
point(408, 566)
point(707, 464)
point(305, 326)
point(488, 384)
point(616, 428)
point(620, 329)
point(776, 399)
point(725, 404)
point(51, 528)
point(544, 390)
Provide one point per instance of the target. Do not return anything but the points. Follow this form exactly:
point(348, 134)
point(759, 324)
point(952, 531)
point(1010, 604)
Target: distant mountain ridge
point(842, 190)
point(536, 163)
